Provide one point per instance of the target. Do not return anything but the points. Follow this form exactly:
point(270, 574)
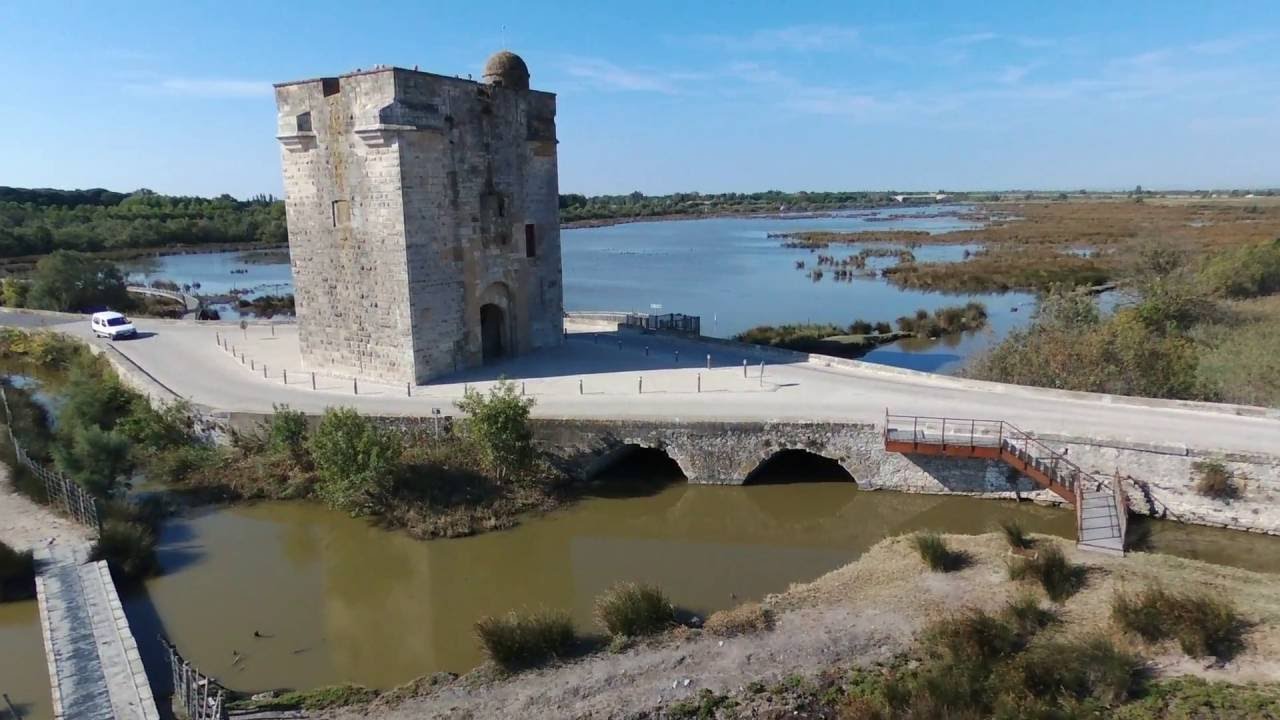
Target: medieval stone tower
point(424, 222)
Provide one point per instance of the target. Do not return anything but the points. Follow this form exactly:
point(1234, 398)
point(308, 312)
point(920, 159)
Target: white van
point(112, 325)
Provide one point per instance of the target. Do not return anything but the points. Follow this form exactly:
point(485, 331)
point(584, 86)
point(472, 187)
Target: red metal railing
point(1012, 442)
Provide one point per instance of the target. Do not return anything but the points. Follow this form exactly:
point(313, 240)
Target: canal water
point(726, 270)
point(24, 677)
point(335, 599)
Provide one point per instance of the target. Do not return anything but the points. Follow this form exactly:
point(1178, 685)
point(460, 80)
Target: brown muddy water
point(23, 674)
point(336, 600)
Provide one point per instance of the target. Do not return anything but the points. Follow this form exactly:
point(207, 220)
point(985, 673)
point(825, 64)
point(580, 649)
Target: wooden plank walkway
point(1101, 509)
point(95, 670)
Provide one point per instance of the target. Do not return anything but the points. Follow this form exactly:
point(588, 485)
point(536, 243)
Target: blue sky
point(663, 97)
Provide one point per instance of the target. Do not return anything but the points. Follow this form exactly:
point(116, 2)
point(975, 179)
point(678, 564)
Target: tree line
point(40, 221)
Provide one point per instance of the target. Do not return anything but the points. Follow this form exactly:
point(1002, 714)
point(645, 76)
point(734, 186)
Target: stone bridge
point(1159, 480)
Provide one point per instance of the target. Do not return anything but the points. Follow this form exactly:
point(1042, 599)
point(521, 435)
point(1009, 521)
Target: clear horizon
point(674, 98)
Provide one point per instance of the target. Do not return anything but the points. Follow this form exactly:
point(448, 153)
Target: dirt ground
point(24, 524)
point(867, 611)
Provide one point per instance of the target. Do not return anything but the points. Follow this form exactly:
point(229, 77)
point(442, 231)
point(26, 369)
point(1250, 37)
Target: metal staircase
point(1101, 508)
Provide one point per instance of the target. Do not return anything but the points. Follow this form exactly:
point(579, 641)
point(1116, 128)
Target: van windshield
point(117, 321)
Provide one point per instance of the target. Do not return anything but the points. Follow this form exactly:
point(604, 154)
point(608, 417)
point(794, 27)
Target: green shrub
point(155, 429)
point(1244, 272)
point(1203, 625)
point(17, 573)
point(1059, 577)
point(1015, 535)
point(1215, 481)
point(99, 460)
point(179, 464)
point(974, 636)
point(634, 610)
point(935, 553)
point(1026, 616)
point(355, 459)
point(520, 640)
point(1089, 668)
point(76, 282)
point(129, 549)
point(287, 431)
point(498, 423)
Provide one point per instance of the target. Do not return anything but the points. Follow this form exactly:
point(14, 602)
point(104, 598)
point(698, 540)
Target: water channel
point(335, 599)
point(726, 270)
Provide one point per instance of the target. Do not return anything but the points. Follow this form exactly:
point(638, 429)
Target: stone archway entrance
point(493, 332)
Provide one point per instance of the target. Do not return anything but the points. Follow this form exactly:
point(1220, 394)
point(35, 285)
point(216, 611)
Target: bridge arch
point(636, 461)
point(795, 465)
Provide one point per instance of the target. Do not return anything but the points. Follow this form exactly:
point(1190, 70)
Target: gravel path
point(25, 524)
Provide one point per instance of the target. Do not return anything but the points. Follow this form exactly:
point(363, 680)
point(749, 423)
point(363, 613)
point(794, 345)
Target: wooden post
point(313, 380)
point(285, 374)
point(355, 386)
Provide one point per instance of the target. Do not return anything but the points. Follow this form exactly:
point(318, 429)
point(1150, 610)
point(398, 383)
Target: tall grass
point(935, 553)
point(1015, 535)
point(1058, 576)
point(1216, 480)
point(746, 618)
point(982, 665)
point(634, 610)
point(1203, 625)
point(521, 640)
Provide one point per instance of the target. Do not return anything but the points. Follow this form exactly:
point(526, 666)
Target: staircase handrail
point(1006, 432)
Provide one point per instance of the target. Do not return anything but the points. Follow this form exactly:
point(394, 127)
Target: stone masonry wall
point(413, 200)
point(1158, 481)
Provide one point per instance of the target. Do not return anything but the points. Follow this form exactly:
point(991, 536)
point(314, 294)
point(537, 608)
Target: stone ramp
point(95, 670)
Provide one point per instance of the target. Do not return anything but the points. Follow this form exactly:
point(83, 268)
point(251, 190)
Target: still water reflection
point(339, 600)
point(23, 676)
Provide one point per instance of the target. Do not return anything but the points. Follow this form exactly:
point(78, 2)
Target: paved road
point(185, 357)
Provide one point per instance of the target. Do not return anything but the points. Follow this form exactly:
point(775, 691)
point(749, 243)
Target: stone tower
point(424, 222)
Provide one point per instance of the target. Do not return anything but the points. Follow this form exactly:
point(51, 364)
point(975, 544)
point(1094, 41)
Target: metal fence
point(197, 694)
point(671, 322)
point(61, 491)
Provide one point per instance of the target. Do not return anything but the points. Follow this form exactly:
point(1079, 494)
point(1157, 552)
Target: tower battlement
point(424, 225)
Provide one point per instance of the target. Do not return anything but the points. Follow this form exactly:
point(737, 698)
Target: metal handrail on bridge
point(1006, 438)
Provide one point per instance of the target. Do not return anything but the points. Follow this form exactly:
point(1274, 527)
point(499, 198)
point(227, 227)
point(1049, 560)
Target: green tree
point(168, 426)
point(13, 292)
point(355, 459)
point(498, 423)
point(94, 397)
point(287, 431)
point(97, 459)
point(75, 282)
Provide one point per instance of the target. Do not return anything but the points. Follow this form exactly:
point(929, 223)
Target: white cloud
point(794, 38)
point(1230, 44)
point(605, 75)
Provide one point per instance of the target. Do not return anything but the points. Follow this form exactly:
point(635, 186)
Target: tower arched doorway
point(493, 332)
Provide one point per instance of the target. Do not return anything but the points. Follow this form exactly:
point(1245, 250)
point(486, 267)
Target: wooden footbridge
point(1101, 508)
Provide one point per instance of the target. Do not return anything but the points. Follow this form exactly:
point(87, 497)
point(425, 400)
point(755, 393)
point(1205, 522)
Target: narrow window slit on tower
point(530, 241)
point(341, 213)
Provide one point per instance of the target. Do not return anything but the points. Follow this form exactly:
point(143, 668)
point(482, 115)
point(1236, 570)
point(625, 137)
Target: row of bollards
point(225, 344)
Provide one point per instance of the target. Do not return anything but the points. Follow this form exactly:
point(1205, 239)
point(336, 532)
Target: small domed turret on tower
point(506, 69)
